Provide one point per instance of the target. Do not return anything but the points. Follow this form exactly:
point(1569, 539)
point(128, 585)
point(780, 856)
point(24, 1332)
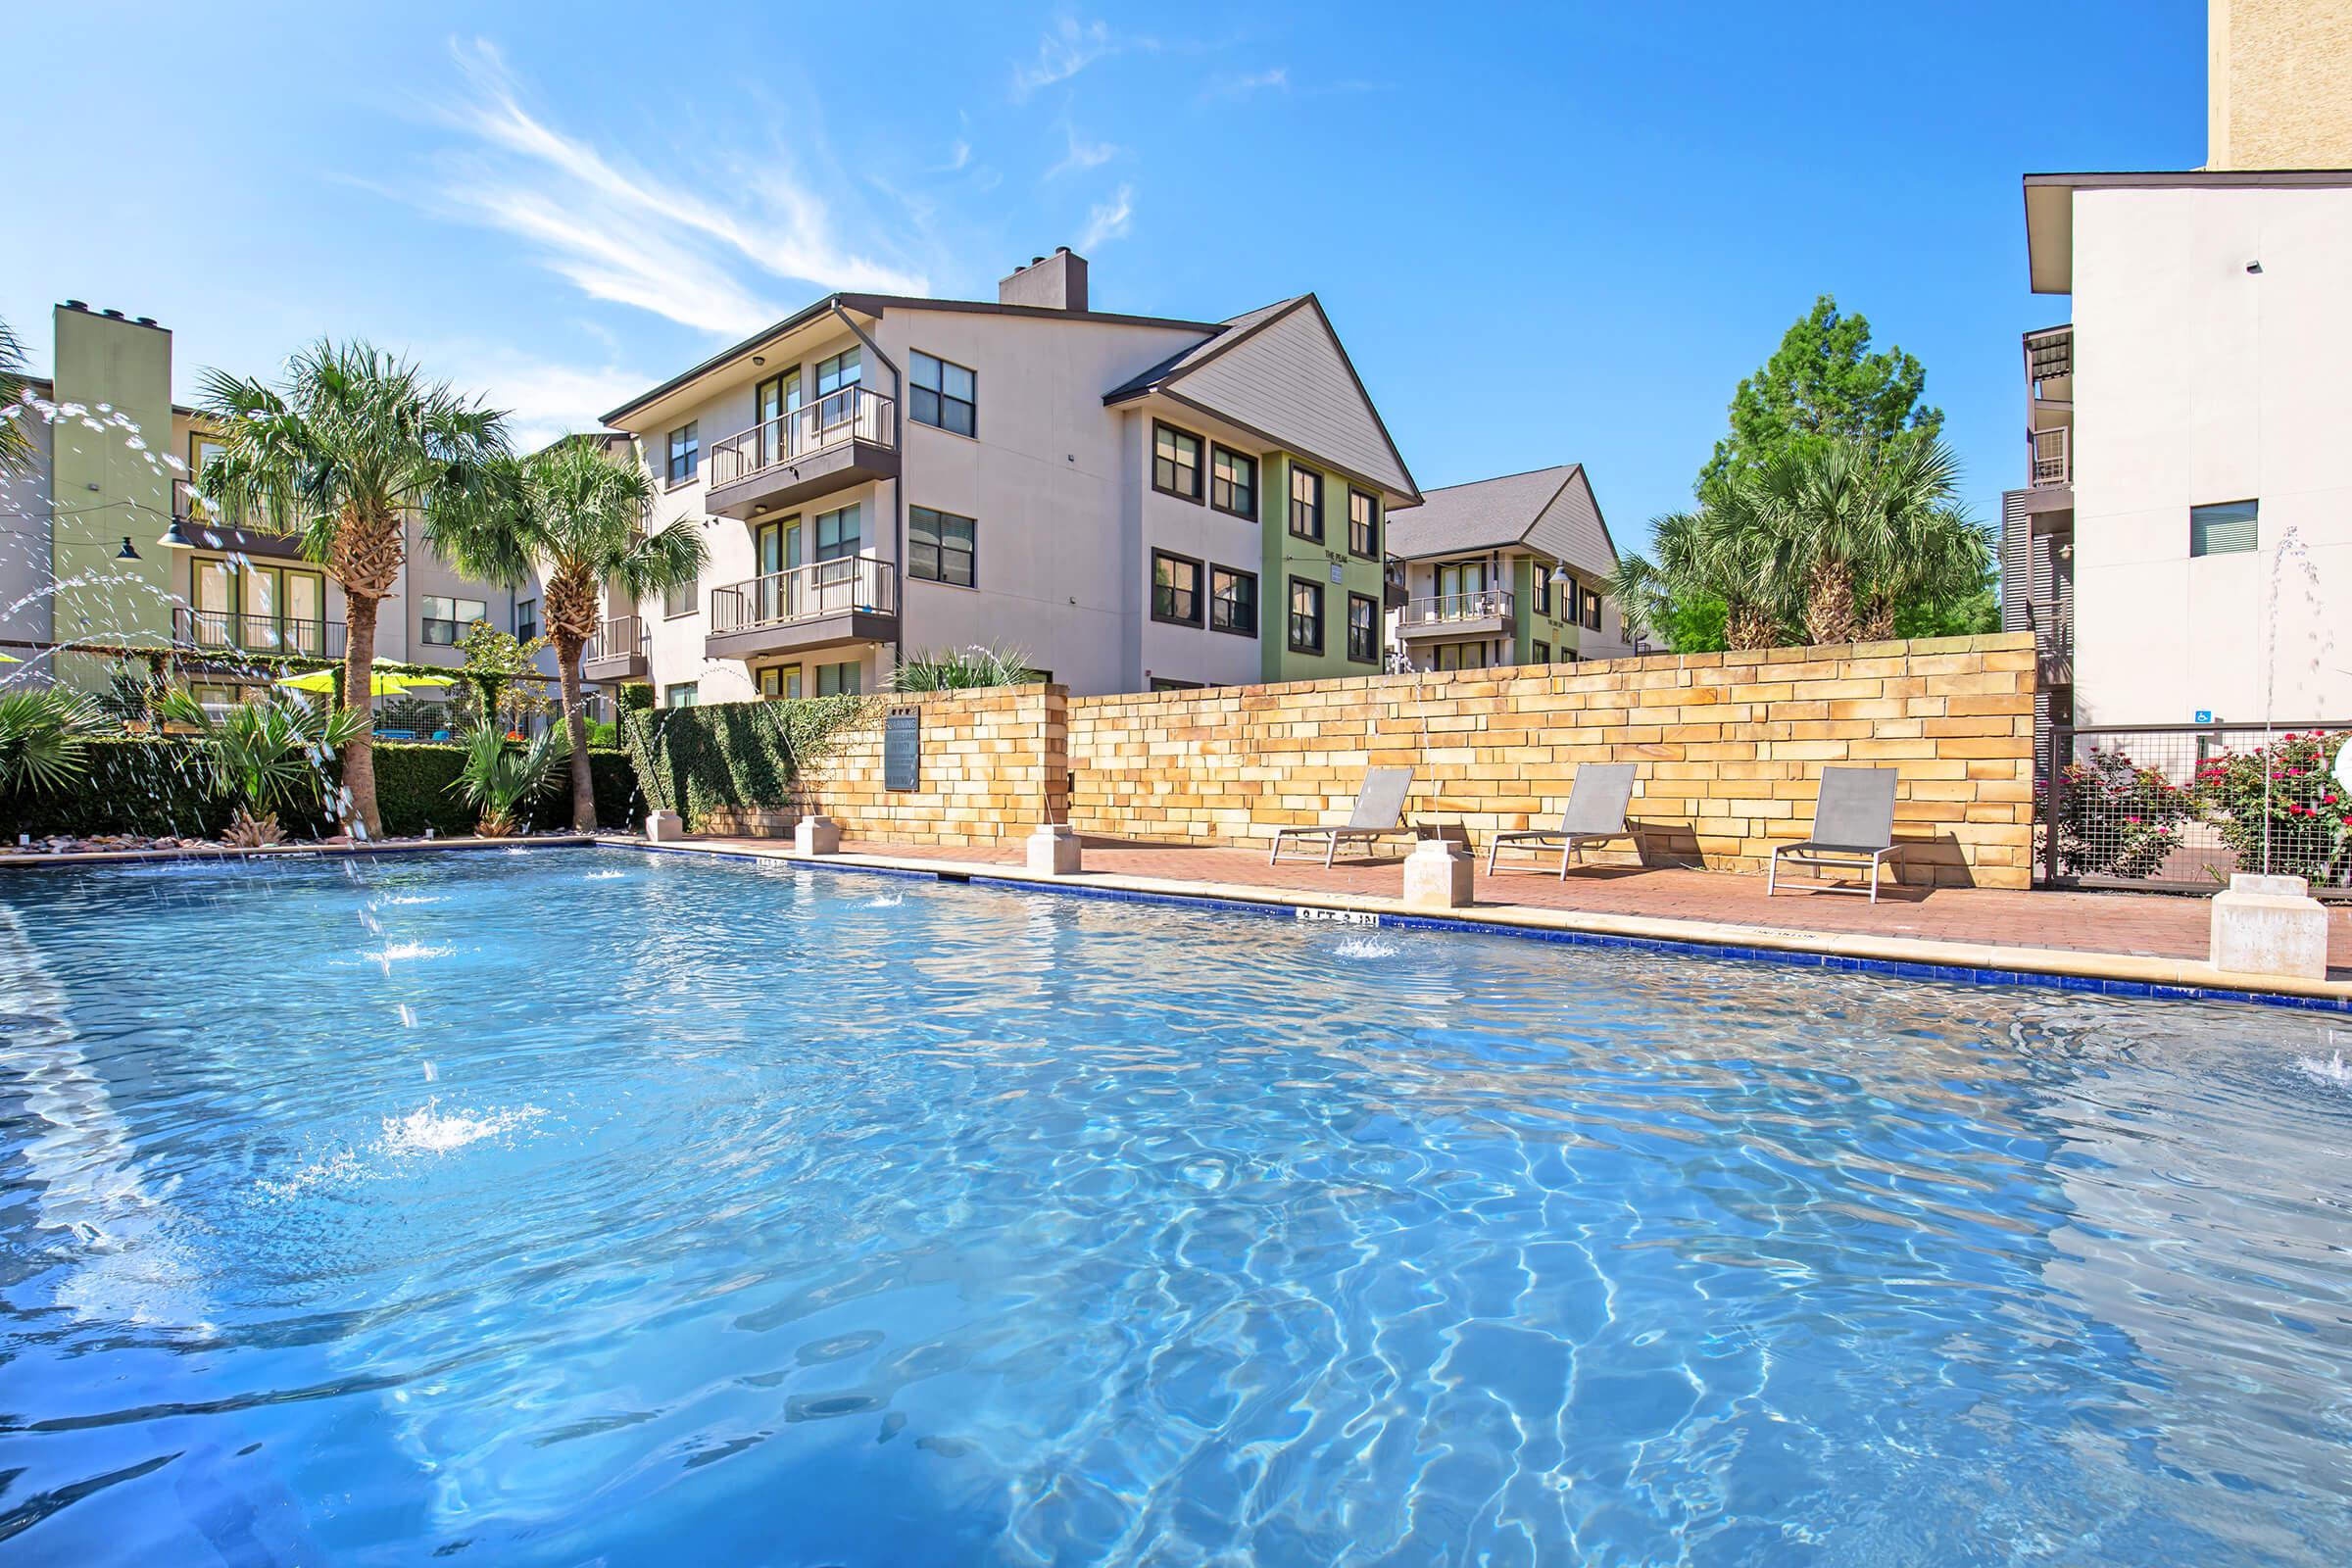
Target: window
point(838, 534)
point(1363, 628)
point(1233, 600)
point(1591, 616)
point(840, 680)
point(1233, 482)
point(939, 546)
point(1542, 653)
point(446, 619)
point(836, 403)
point(780, 681)
point(526, 619)
point(260, 608)
point(1175, 462)
point(681, 694)
point(685, 453)
point(946, 395)
point(1307, 503)
point(1461, 656)
point(678, 598)
point(2228, 528)
point(1306, 616)
point(1161, 683)
point(1175, 588)
point(1544, 590)
point(1364, 525)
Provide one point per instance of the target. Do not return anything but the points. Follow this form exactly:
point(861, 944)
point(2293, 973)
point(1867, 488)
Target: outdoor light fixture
point(1559, 574)
point(173, 539)
point(126, 553)
point(759, 358)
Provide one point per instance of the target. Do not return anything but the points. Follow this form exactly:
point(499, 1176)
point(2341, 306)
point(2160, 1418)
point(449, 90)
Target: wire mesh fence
point(2181, 807)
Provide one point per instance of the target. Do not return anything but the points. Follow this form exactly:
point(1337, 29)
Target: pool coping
point(17, 861)
point(1905, 958)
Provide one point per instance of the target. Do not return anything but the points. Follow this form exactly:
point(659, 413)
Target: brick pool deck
point(2146, 938)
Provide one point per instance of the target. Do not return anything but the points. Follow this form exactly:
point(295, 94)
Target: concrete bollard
point(2270, 925)
point(816, 835)
point(1438, 875)
point(1052, 850)
point(664, 827)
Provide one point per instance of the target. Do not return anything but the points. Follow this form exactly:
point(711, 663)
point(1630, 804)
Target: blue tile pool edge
point(1276, 909)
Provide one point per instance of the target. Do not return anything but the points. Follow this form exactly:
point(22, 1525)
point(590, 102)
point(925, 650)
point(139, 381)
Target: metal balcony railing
point(1440, 609)
point(221, 631)
point(822, 588)
point(2053, 456)
point(852, 414)
point(622, 637)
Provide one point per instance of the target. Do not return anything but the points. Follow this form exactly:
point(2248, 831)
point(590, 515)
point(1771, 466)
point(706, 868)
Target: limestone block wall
point(995, 763)
point(1730, 749)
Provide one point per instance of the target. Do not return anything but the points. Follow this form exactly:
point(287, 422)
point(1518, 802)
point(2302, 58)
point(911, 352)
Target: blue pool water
point(566, 1206)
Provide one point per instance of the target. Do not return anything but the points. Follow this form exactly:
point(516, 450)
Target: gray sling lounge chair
point(1378, 813)
point(1853, 828)
point(1596, 803)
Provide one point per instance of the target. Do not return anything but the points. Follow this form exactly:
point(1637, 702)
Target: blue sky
point(1547, 234)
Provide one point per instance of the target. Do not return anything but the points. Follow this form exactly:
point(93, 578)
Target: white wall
point(2197, 383)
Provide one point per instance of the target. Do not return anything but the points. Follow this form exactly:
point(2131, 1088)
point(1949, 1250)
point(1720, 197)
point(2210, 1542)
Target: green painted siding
point(104, 490)
point(1558, 628)
point(1286, 557)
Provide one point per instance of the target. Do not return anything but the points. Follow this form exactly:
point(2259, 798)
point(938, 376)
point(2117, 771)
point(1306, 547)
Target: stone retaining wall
point(995, 763)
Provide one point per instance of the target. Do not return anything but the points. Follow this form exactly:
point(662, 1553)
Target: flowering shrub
point(2290, 786)
point(2116, 818)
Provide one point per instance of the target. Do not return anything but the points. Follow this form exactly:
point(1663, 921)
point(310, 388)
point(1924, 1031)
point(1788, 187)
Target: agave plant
point(266, 757)
point(499, 779)
point(961, 669)
point(42, 736)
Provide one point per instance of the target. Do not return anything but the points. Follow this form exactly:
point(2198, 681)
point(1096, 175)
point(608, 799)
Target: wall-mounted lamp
point(2254, 267)
point(1559, 574)
point(173, 539)
point(759, 358)
point(126, 553)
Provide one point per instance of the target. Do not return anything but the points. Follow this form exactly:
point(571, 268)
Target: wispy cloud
point(1069, 48)
point(619, 234)
point(1108, 219)
point(543, 398)
point(958, 157)
point(1274, 78)
point(1082, 154)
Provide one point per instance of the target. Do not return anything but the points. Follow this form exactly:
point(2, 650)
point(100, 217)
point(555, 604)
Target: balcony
point(614, 650)
point(219, 632)
point(1488, 613)
point(200, 520)
point(2050, 406)
point(844, 438)
point(1393, 594)
point(828, 603)
point(2051, 456)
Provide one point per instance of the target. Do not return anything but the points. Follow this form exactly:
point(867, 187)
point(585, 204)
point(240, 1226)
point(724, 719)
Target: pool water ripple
point(773, 1215)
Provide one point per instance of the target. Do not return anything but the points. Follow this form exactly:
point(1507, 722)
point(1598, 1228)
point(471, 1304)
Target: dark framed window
point(1307, 503)
point(780, 681)
point(685, 452)
point(1175, 462)
point(837, 378)
point(1544, 591)
point(1306, 615)
point(1591, 616)
point(1364, 525)
point(682, 693)
point(1161, 683)
point(1233, 482)
point(526, 619)
point(2226, 528)
point(840, 534)
point(1175, 588)
point(1542, 653)
point(939, 546)
point(946, 395)
point(840, 680)
point(445, 620)
point(1363, 628)
point(1233, 600)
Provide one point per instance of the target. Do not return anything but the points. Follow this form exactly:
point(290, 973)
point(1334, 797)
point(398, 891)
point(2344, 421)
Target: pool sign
point(902, 748)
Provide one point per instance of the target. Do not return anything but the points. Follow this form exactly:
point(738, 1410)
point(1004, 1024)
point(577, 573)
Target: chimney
point(1055, 282)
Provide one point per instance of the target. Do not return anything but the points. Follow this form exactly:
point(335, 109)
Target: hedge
point(154, 787)
point(745, 755)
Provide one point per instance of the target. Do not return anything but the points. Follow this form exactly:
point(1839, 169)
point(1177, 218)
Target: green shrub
point(2282, 796)
point(747, 755)
point(2116, 818)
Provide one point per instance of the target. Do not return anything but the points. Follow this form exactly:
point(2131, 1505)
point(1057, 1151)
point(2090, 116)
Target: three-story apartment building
point(1131, 502)
point(1509, 570)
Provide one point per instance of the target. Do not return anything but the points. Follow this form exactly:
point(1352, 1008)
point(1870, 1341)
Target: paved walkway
point(2147, 936)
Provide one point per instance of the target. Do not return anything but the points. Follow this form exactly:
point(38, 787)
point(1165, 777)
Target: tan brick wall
point(995, 763)
point(2278, 84)
point(1730, 749)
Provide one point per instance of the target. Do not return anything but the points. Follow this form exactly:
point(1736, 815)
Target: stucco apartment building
point(1509, 570)
point(2182, 544)
point(1130, 501)
point(84, 560)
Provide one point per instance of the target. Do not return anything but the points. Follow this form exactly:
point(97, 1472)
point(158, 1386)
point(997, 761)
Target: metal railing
point(2052, 453)
point(805, 593)
point(1439, 609)
point(852, 414)
point(2179, 808)
point(622, 637)
point(221, 631)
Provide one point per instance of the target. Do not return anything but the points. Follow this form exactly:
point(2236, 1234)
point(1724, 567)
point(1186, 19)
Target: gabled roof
point(1280, 373)
point(1551, 511)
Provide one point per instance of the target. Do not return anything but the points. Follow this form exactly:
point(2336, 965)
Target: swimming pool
point(579, 1205)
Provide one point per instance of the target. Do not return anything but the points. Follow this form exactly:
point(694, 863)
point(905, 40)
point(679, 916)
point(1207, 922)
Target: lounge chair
point(1597, 805)
point(1853, 827)
point(1378, 813)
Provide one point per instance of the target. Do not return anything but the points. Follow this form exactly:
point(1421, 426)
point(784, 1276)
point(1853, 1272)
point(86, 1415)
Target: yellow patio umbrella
point(379, 684)
point(9, 659)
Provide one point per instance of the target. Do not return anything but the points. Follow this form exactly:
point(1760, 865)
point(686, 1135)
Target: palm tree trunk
point(359, 692)
point(1747, 627)
point(575, 720)
point(1832, 614)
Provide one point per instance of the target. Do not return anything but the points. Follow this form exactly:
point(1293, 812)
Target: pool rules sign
point(902, 748)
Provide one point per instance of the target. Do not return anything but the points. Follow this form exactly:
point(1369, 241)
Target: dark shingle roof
point(1547, 509)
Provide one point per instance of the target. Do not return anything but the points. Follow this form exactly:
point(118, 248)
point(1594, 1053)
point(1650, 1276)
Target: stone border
point(1903, 957)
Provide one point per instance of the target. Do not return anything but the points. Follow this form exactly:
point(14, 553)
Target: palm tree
point(1848, 531)
point(43, 736)
point(268, 756)
point(577, 517)
point(1718, 552)
point(961, 669)
point(499, 778)
point(344, 451)
point(16, 441)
